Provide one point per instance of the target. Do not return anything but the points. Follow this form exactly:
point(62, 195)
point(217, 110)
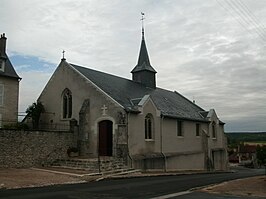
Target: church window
point(1, 94)
point(67, 104)
point(213, 130)
point(180, 132)
point(149, 127)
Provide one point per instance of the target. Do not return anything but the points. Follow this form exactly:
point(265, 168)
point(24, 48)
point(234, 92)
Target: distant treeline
point(237, 137)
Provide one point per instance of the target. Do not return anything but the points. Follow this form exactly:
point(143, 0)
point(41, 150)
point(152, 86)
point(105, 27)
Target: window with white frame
point(1, 94)
point(67, 104)
point(149, 127)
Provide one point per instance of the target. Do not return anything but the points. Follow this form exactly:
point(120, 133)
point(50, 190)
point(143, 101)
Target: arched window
point(149, 127)
point(67, 103)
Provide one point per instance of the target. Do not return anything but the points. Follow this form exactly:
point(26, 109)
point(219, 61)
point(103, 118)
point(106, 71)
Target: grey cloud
point(196, 46)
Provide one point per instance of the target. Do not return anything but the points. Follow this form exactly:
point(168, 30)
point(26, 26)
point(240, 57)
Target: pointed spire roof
point(143, 61)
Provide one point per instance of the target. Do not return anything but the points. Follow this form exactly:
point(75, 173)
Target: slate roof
point(9, 69)
point(128, 93)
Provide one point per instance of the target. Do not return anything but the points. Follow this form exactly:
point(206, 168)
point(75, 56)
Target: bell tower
point(143, 72)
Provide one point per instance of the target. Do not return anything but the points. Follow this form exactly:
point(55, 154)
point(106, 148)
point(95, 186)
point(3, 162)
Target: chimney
point(3, 45)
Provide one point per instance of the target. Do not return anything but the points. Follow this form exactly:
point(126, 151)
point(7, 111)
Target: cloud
point(197, 47)
point(31, 86)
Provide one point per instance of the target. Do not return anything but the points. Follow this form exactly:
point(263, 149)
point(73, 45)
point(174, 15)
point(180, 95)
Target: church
point(150, 127)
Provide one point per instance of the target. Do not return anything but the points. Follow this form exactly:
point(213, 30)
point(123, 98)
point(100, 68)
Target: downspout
point(98, 150)
point(161, 143)
point(128, 113)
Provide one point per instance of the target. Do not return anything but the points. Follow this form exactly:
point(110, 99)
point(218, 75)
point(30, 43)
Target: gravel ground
point(21, 178)
point(253, 186)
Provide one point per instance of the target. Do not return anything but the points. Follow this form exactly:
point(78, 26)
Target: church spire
point(143, 71)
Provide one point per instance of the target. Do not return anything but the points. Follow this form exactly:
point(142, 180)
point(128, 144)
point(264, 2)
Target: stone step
point(77, 168)
point(128, 172)
point(119, 171)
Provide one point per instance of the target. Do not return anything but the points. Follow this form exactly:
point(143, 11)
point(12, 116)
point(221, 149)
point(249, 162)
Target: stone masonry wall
point(33, 148)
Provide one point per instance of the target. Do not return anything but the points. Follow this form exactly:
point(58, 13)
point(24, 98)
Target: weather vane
point(63, 52)
point(142, 19)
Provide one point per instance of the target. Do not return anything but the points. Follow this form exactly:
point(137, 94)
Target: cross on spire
point(63, 52)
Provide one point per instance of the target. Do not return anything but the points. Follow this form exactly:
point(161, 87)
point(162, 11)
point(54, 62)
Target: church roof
point(143, 61)
point(128, 93)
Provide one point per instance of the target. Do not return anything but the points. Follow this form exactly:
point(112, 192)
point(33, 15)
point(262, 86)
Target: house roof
point(9, 69)
point(143, 61)
point(247, 149)
point(128, 93)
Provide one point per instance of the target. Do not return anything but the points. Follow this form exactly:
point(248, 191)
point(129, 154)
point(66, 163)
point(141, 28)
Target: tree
point(34, 111)
point(261, 155)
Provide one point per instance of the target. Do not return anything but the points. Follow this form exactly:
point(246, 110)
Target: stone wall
point(33, 148)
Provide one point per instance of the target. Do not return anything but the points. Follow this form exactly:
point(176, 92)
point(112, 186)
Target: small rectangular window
point(213, 130)
point(1, 94)
point(180, 129)
point(197, 130)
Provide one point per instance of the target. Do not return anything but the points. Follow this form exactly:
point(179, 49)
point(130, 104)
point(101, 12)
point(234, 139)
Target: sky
point(210, 51)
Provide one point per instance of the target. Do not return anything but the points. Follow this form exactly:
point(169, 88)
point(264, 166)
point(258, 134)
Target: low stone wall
point(33, 148)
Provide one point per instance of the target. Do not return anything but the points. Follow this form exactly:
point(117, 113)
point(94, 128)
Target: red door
point(105, 138)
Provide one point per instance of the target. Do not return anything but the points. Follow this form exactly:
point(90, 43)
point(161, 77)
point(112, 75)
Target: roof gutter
point(184, 118)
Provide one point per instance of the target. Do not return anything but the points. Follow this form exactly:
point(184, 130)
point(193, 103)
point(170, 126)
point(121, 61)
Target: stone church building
point(150, 127)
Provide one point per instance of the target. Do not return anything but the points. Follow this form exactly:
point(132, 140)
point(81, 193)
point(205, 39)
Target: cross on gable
point(104, 109)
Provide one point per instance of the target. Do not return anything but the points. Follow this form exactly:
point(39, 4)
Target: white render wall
point(185, 152)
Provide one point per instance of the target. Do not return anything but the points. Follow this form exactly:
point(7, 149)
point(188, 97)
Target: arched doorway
point(105, 138)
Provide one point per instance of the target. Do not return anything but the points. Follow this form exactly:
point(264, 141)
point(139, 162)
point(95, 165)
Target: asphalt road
point(144, 187)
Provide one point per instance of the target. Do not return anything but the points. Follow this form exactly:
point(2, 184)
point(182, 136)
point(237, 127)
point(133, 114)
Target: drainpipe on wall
point(98, 151)
point(127, 141)
point(161, 143)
